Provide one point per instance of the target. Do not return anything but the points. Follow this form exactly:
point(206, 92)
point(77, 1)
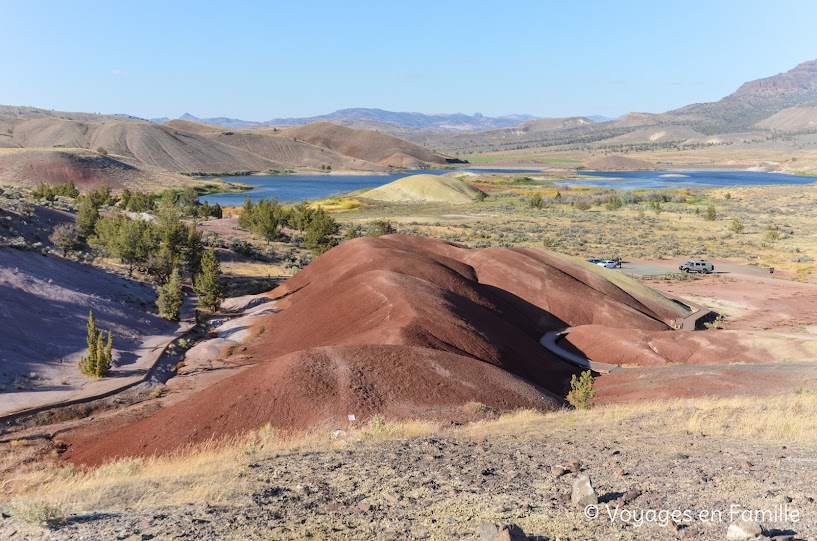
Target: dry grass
point(216, 472)
point(251, 268)
point(783, 419)
point(676, 229)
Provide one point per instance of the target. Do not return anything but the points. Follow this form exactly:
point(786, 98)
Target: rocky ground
point(451, 485)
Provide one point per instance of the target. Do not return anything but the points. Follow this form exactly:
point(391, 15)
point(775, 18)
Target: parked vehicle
point(608, 264)
point(594, 260)
point(697, 265)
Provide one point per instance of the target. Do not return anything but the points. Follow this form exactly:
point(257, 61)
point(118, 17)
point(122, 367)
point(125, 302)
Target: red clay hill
point(402, 326)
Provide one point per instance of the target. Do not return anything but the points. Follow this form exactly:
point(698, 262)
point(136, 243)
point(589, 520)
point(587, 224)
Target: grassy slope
point(424, 188)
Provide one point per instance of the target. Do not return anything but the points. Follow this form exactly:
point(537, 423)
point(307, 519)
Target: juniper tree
point(193, 252)
point(87, 215)
point(319, 231)
point(100, 355)
point(87, 364)
point(170, 298)
point(208, 282)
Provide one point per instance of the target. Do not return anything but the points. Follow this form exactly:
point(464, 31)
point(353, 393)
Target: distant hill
point(532, 133)
point(271, 145)
point(420, 121)
point(783, 102)
point(85, 168)
point(365, 118)
point(431, 188)
point(654, 134)
point(150, 144)
point(372, 146)
point(56, 147)
point(752, 102)
point(791, 119)
point(602, 118)
point(29, 113)
point(224, 122)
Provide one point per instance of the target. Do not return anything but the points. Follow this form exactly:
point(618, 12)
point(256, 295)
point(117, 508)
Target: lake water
point(640, 180)
point(300, 187)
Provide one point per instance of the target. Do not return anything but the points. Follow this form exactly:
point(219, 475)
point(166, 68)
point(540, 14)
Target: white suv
point(698, 265)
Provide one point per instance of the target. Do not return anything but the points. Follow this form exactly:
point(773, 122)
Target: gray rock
point(744, 530)
point(583, 492)
point(488, 531)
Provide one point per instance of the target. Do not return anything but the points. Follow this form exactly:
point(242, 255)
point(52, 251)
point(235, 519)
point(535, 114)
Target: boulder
point(583, 492)
point(744, 530)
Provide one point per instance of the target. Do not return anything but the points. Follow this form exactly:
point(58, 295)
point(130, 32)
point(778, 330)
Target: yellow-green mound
point(430, 188)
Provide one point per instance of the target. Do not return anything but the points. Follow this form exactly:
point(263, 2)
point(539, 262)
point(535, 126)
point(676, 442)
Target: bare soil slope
point(194, 127)
point(288, 151)
point(398, 325)
point(644, 348)
point(151, 144)
point(654, 134)
point(366, 145)
point(87, 169)
point(791, 119)
point(45, 310)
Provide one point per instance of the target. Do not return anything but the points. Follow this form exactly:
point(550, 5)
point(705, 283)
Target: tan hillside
point(85, 168)
point(193, 127)
point(270, 145)
point(631, 120)
point(52, 132)
point(425, 188)
point(653, 134)
point(726, 138)
point(364, 144)
point(619, 163)
point(7, 124)
point(30, 113)
point(176, 150)
point(151, 144)
point(791, 119)
point(185, 146)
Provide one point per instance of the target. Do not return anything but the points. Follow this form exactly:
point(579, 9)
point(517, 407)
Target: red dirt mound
point(320, 387)
point(397, 325)
point(637, 347)
point(84, 168)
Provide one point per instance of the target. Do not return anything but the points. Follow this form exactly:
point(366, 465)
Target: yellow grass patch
point(215, 472)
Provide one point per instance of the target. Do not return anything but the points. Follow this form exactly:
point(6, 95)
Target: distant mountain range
point(373, 118)
point(41, 144)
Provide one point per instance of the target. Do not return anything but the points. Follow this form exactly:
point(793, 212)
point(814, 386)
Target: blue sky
point(265, 59)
